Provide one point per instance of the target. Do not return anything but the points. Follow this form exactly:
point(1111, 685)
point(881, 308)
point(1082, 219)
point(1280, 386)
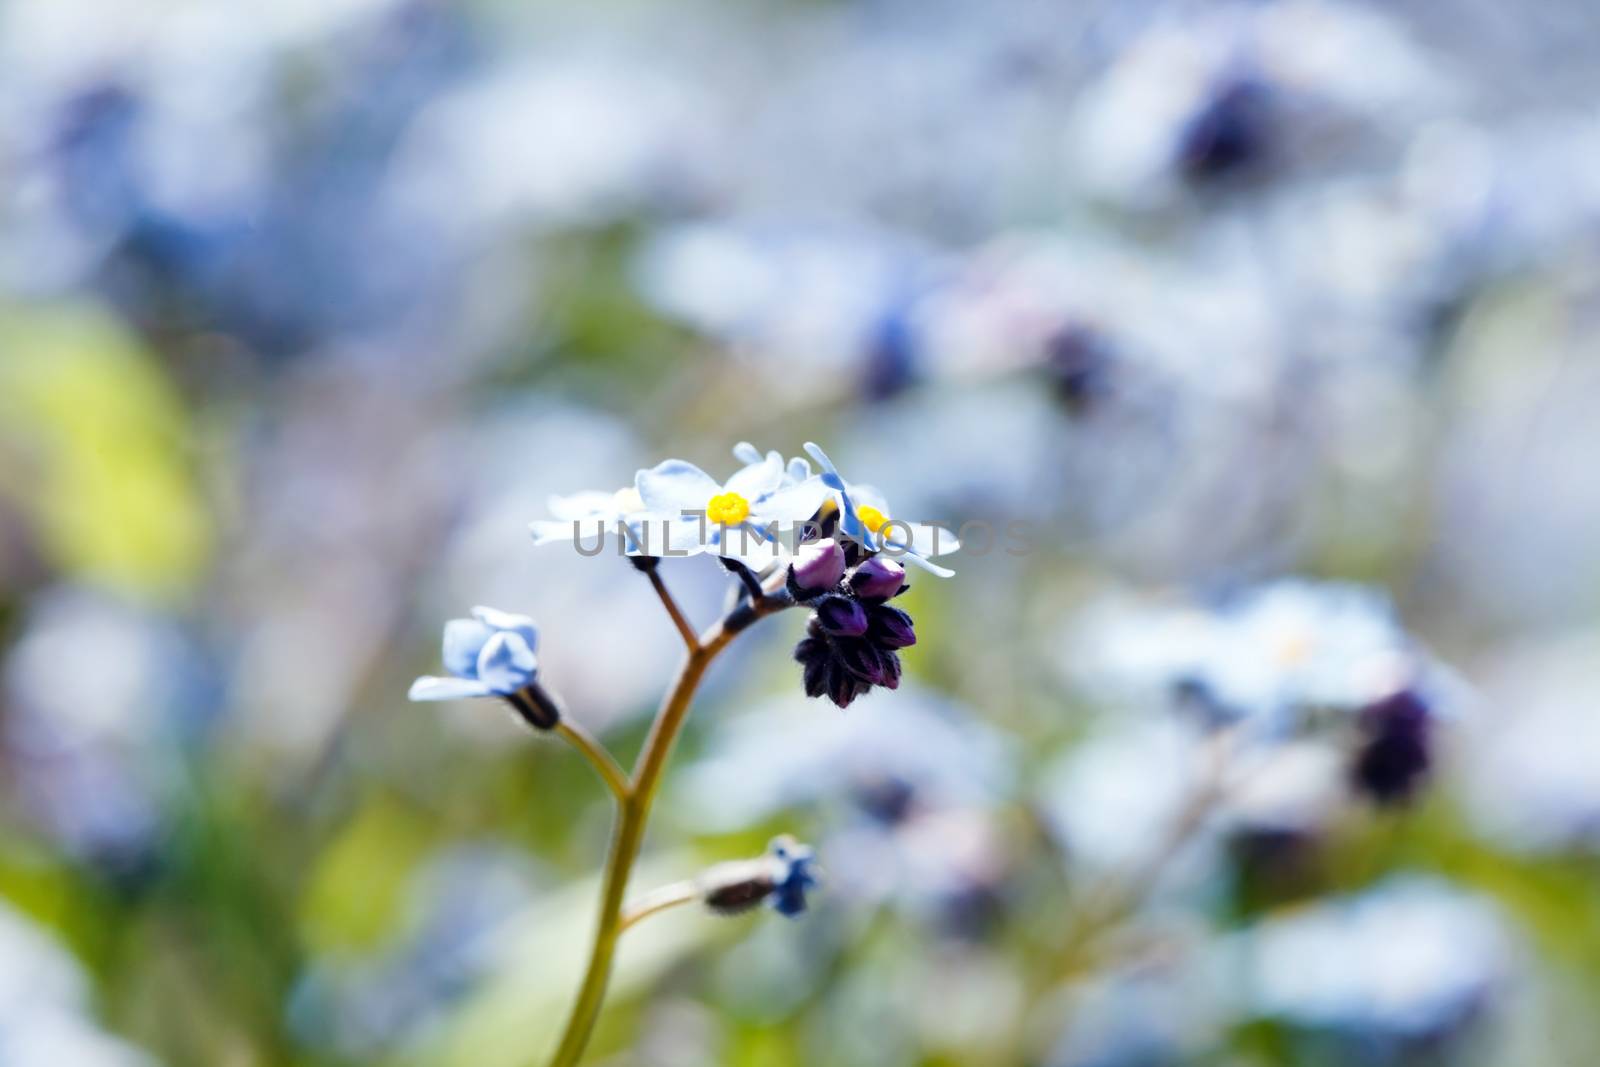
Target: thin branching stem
point(657, 901)
point(685, 628)
point(633, 814)
point(598, 755)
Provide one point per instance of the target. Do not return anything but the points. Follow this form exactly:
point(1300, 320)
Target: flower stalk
point(633, 811)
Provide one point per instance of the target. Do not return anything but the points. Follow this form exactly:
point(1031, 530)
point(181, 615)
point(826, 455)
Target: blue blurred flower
point(490, 654)
point(794, 875)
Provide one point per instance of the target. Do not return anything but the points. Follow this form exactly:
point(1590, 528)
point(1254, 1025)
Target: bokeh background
point(306, 307)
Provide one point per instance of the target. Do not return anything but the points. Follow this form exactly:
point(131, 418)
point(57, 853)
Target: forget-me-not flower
point(597, 515)
point(490, 654)
point(735, 519)
point(865, 518)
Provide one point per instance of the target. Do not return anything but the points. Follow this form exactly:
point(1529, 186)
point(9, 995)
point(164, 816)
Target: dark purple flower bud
point(814, 657)
point(861, 659)
point(1396, 753)
point(817, 568)
point(878, 579)
point(891, 669)
point(843, 687)
point(890, 627)
point(841, 617)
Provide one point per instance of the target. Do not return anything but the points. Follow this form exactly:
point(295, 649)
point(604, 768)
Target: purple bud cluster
point(854, 636)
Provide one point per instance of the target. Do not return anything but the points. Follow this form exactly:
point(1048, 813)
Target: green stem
point(633, 814)
point(599, 757)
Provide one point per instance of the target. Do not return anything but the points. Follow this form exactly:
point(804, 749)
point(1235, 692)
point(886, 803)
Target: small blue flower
point(865, 519)
point(731, 519)
point(598, 516)
point(490, 654)
point(795, 874)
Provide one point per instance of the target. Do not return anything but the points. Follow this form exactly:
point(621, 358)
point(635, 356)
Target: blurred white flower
point(1411, 957)
point(1271, 654)
point(1530, 771)
point(45, 1013)
point(1238, 90)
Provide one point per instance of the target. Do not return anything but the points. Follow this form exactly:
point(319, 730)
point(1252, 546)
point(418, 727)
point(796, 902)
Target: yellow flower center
point(727, 509)
point(872, 518)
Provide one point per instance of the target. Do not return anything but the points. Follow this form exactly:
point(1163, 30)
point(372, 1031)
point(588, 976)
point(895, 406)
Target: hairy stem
point(633, 814)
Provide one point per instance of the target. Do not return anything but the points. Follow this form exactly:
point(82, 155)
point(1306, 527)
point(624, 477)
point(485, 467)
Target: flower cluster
point(854, 636)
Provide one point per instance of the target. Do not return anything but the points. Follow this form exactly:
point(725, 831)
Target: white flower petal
point(582, 505)
point(869, 496)
point(796, 503)
point(926, 538)
point(521, 625)
point(507, 663)
point(430, 688)
point(463, 640)
point(688, 536)
point(758, 479)
point(675, 486)
point(911, 559)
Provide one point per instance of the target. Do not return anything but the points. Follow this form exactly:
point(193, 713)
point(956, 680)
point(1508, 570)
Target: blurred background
point(306, 308)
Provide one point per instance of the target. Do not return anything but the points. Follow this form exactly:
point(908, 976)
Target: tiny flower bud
point(781, 878)
point(813, 655)
point(891, 669)
point(818, 567)
point(843, 687)
point(734, 888)
point(537, 707)
point(891, 627)
point(841, 616)
point(878, 579)
point(861, 659)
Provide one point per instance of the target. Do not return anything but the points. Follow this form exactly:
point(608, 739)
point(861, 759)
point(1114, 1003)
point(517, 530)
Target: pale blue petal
point(931, 539)
point(687, 536)
point(830, 473)
point(675, 486)
point(758, 478)
point(430, 688)
point(750, 546)
point(746, 453)
point(870, 496)
point(463, 640)
point(550, 531)
point(914, 560)
point(520, 625)
point(506, 663)
point(925, 538)
point(793, 504)
point(799, 470)
point(849, 523)
point(582, 505)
